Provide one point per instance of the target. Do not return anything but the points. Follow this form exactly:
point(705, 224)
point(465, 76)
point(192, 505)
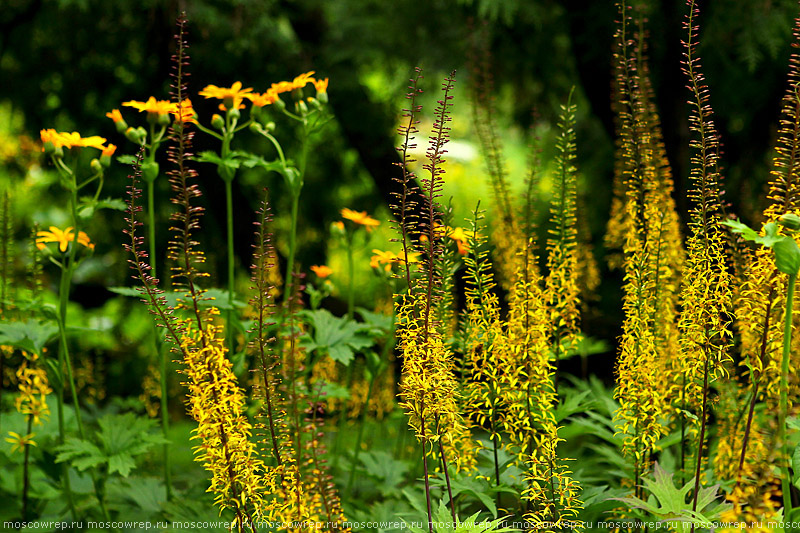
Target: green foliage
point(338, 337)
point(118, 440)
point(668, 502)
point(30, 335)
point(443, 523)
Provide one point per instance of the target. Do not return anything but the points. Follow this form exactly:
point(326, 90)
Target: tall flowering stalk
point(562, 291)
point(644, 226)
point(706, 296)
point(762, 296)
point(428, 385)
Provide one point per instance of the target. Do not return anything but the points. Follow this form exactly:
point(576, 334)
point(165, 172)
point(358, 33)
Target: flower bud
point(50, 149)
point(121, 126)
point(164, 120)
point(269, 126)
point(302, 107)
point(234, 113)
point(790, 221)
point(217, 121)
point(316, 104)
point(322, 97)
point(97, 167)
point(133, 136)
point(280, 104)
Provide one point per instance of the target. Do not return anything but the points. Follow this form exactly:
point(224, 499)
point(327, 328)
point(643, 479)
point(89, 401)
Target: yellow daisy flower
point(20, 441)
point(232, 96)
point(70, 140)
point(63, 238)
point(157, 107)
point(115, 115)
point(360, 217)
point(185, 112)
point(322, 271)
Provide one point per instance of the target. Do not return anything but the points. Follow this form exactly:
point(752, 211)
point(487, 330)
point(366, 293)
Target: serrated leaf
point(81, 453)
point(339, 337)
point(29, 335)
point(122, 463)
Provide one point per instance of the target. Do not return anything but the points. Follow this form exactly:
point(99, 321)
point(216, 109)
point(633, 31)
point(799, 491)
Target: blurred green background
point(65, 63)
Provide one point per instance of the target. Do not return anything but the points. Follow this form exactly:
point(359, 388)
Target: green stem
point(360, 436)
point(292, 245)
point(351, 294)
point(786, 481)
point(25, 473)
point(229, 223)
point(162, 353)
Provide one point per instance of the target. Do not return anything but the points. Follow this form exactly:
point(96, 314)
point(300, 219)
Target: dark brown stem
point(446, 473)
point(702, 437)
point(425, 466)
point(756, 379)
point(25, 474)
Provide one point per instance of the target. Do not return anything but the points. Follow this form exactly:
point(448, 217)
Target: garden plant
point(435, 373)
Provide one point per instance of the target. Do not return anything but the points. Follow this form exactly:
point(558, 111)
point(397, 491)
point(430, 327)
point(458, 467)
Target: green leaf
point(669, 502)
point(384, 467)
point(748, 233)
point(574, 403)
point(82, 454)
point(787, 256)
point(126, 291)
point(29, 335)
point(796, 466)
point(122, 463)
point(339, 337)
point(126, 159)
point(769, 238)
point(231, 162)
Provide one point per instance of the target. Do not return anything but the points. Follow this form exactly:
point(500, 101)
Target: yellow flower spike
point(322, 271)
point(232, 96)
point(153, 106)
point(19, 442)
point(359, 217)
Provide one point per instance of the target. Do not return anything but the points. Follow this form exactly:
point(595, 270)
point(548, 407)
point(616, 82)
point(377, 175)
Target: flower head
point(19, 442)
point(321, 85)
point(302, 80)
point(231, 96)
point(71, 140)
point(270, 96)
point(185, 112)
point(386, 258)
point(156, 107)
point(458, 235)
point(63, 238)
point(322, 271)
point(360, 217)
point(109, 150)
point(115, 115)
